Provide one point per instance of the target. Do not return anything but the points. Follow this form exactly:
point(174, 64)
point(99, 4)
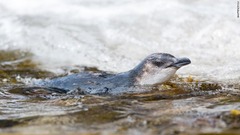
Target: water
point(115, 36)
point(62, 36)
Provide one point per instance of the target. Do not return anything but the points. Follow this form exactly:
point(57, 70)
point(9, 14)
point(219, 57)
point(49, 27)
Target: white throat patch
point(153, 75)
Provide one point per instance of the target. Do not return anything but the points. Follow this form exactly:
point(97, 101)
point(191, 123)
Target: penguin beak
point(181, 62)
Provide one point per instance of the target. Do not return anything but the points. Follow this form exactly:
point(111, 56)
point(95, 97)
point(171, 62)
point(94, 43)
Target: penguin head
point(158, 68)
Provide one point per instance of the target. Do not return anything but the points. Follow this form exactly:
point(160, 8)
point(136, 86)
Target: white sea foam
point(116, 35)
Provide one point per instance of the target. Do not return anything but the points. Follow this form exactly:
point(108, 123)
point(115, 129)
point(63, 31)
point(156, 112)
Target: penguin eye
point(158, 63)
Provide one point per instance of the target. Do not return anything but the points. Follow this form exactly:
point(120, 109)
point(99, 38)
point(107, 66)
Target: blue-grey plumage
point(156, 68)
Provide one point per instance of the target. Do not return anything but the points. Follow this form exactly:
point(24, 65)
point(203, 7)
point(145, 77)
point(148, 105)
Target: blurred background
point(116, 35)
point(42, 39)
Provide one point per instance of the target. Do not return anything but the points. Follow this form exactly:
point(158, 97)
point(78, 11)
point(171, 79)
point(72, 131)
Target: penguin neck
point(147, 74)
point(137, 73)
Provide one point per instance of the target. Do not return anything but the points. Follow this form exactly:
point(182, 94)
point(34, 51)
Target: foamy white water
point(116, 35)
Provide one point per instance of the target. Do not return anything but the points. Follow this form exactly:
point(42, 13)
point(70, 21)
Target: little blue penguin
point(156, 68)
